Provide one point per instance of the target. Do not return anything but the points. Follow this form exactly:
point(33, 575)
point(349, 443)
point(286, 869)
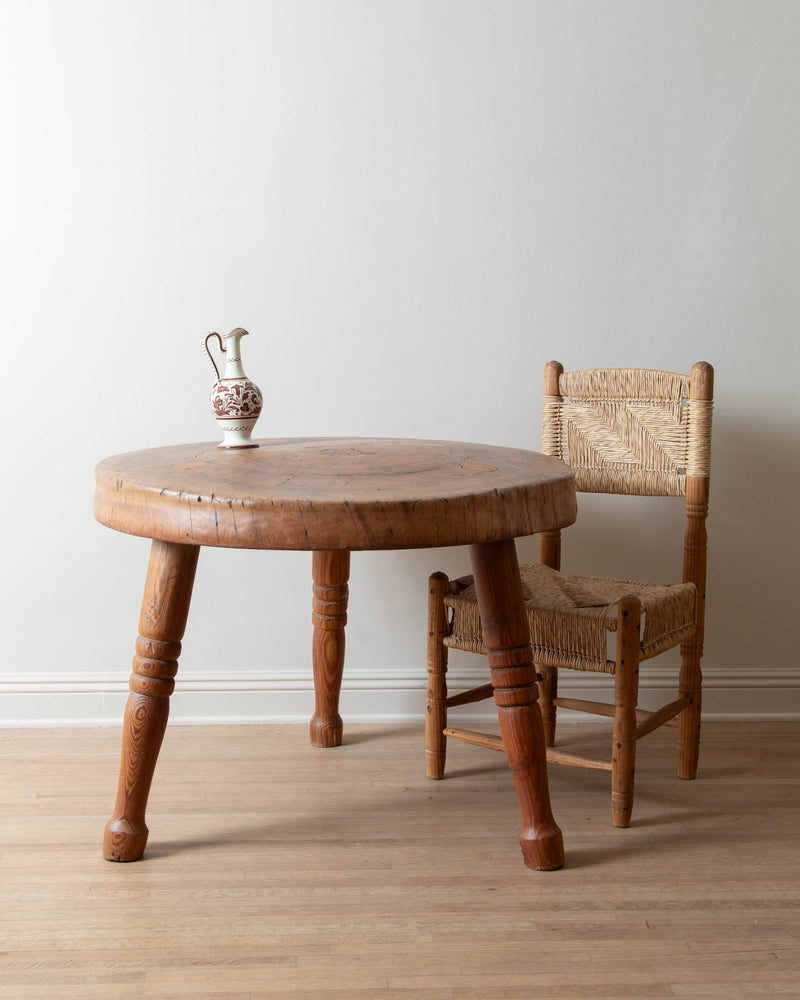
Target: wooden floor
point(277, 870)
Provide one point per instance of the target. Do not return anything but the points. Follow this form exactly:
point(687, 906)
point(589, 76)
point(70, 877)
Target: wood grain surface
point(284, 873)
point(334, 493)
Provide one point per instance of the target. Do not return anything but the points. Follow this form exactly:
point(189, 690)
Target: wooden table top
point(334, 493)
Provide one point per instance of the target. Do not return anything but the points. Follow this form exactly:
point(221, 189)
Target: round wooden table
point(331, 496)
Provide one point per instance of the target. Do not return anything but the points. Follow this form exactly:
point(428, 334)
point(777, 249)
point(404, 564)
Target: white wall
point(412, 206)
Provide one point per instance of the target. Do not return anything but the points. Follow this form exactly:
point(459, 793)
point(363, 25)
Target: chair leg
point(436, 700)
point(626, 695)
point(548, 692)
point(694, 569)
point(691, 685)
point(549, 555)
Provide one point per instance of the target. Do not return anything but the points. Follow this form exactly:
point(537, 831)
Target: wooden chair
point(622, 431)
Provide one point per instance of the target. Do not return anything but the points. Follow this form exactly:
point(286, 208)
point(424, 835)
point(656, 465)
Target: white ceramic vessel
point(235, 400)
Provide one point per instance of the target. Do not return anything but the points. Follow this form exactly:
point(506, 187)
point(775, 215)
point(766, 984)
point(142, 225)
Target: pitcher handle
point(208, 352)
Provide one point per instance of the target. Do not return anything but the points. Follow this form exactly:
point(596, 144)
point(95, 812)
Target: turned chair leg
point(549, 555)
point(691, 686)
point(165, 607)
point(436, 697)
point(626, 696)
point(694, 568)
point(548, 692)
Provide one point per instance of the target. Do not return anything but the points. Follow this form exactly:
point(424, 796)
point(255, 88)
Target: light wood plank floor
point(277, 870)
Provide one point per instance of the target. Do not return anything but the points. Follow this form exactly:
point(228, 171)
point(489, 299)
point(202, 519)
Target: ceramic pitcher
point(235, 400)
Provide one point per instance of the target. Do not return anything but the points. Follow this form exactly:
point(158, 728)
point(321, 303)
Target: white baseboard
point(98, 699)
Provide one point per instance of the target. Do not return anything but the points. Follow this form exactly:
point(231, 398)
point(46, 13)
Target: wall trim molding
point(260, 697)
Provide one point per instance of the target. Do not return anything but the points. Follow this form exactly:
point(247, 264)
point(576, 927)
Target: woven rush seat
point(570, 616)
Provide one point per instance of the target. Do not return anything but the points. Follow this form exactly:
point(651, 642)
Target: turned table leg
point(330, 571)
point(507, 639)
point(165, 607)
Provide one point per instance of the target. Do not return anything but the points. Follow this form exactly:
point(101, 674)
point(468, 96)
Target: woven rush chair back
point(629, 430)
point(622, 431)
point(639, 432)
